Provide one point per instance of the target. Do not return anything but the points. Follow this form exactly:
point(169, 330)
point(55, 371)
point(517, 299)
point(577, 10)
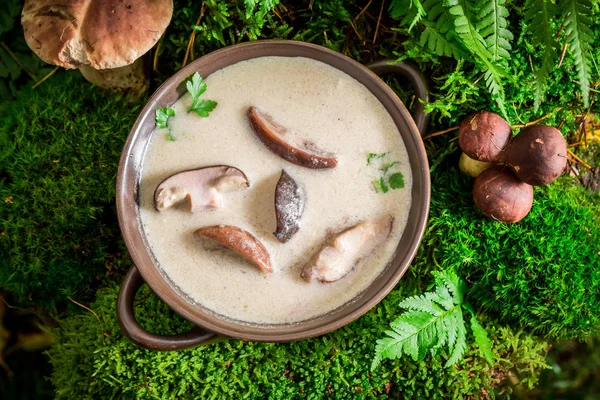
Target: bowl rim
point(128, 186)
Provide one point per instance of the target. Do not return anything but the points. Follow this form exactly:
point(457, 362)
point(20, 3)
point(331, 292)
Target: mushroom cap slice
point(202, 187)
point(240, 241)
point(348, 248)
point(275, 136)
point(100, 33)
point(290, 201)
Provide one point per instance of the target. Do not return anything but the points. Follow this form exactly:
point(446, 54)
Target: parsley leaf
point(390, 165)
point(374, 156)
point(396, 180)
point(163, 115)
point(380, 186)
point(170, 136)
point(196, 87)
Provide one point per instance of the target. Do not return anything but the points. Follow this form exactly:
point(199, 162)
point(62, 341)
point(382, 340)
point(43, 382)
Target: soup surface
point(318, 103)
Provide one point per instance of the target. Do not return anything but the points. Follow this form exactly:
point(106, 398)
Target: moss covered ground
point(533, 283)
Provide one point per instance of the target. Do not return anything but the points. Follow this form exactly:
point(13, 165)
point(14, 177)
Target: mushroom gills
point(347, 249)
point(202, 188)
point(240, 241)
point(277, 138)
point(290, 200)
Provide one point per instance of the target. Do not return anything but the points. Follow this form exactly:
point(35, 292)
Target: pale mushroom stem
point(130, 79)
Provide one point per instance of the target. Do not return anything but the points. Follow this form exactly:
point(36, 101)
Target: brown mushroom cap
point(100, 33)
point(500, 195)
point(484, 136)
point(538, 154)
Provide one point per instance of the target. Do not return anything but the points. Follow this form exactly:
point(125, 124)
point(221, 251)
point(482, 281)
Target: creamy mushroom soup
point(316, 103)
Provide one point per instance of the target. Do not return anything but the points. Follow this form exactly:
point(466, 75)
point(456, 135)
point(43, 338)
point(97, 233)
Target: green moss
point(89, 364)
point(62, 143)
point(542, 273)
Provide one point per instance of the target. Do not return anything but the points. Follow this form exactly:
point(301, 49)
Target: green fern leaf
point(540, 14)
point(457, 324)
point(579, 37)
point(433, 320)
point(464, 15)
point(483, 341)
point(423, 303)
point(493, 27)
point(410, 11)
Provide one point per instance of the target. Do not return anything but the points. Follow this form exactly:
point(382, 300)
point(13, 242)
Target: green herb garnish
point(396, 180)
point(196, 87)
point(170, 136)
point(380, 185)
point(387, 167)
point(374, 156)
point(163, 115)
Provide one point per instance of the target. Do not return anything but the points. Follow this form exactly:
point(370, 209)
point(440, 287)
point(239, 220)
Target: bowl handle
point(382, 67)
point(141, 337)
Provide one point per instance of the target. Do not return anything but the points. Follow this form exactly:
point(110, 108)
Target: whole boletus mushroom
point(500, 195)
point(103, 38)
point(484, 136)
point(538, 154)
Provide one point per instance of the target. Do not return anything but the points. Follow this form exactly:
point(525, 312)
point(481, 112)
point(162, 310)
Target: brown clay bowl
point(209, 325)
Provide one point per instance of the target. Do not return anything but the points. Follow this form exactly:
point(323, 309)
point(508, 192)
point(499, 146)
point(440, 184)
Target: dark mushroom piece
point(275, 137)
point(500, 195)
point(484, 136)
point(289, 207)
point(538, 154)
point(201, 187)
point(105, 39)
point(241, 242)
point(336, 259)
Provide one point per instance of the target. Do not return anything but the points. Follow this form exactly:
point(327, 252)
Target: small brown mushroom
point(348, 248)
point(200, 187)
point(500, 195)
point(240, 241)
point(102, 38)
point(273, 135)
point(538, 154)
point(484, 136)
point(289, 207)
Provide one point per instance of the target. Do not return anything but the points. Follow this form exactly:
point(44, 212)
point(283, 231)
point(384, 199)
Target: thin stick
point(537, 121)
point(363, 10)
point(356, 32)
point(192, 36)
point(95, 315)
point(14, 57)
point(48, 75)
point(562, 55)
point(579, 160)
point(278, 15)
point(378, 22)
point(440, 132)
point(155, 61)
point(531, 65)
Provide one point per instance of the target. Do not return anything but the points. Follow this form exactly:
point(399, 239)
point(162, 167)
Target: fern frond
point(453, 283)
point(483, 341)
point(464, 15)
point(438, 35)
point(433, 320)
point(540, 14)
point(423, 303)
point(411, 10)
point(457, 324)
point(493, 27)
point(579, 37)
